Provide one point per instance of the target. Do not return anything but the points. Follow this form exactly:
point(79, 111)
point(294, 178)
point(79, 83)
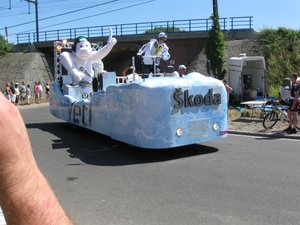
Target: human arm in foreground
point(25, 195)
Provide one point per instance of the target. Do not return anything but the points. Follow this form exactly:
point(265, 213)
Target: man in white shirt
point(181, 71)
point(158, 49)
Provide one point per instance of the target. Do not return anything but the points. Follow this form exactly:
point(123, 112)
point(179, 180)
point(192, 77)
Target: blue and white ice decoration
point(148, 113)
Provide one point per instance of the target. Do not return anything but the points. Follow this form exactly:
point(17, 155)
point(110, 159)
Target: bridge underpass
point(183, 47)
point(184, 51)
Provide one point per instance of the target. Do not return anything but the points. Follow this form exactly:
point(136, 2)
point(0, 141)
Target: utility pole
point(6, 34)
point(215, 8)
point(36, 17)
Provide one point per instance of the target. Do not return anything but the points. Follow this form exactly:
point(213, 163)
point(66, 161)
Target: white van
point(247, 77)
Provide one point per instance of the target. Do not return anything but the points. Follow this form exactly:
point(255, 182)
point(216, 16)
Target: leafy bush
point(4, 46)
point(163, 29)
point(281, 49)
point(274, 90)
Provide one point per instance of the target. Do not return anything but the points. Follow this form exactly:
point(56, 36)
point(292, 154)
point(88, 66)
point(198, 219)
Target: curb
point(33, 105)
point(276, 134)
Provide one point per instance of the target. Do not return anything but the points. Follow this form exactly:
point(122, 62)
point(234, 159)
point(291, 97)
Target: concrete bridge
point(186, 38)
point(183, 47)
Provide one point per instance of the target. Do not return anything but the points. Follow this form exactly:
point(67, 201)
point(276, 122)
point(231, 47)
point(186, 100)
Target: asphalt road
point(238, 180)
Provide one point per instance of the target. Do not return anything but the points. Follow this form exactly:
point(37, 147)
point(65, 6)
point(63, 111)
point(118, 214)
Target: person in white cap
point(181, 71)
point(158, 49)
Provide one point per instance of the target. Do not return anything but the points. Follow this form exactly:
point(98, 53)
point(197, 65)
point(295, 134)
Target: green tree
point(281, 49)
point(163, 29)
point(4, 46)
point(215, 49)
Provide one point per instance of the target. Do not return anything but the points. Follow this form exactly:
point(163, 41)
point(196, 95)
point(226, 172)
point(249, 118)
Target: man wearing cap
point(156, 48)
point(181, 71)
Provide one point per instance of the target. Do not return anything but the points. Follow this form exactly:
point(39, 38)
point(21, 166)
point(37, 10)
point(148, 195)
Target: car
point(284, 90)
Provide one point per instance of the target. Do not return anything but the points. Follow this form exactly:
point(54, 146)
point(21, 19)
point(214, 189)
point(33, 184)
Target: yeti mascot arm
point(79, 62)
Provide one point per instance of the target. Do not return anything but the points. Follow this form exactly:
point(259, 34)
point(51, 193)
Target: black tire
point(95, 84)
point(270, 120)
point(100, 81)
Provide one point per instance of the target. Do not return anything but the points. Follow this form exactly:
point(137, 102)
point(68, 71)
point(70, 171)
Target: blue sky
point(78, 13)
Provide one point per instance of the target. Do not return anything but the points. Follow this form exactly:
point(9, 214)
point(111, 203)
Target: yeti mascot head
point(82, 48)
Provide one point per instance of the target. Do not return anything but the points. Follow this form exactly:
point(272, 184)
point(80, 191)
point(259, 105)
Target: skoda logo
point(85, 95)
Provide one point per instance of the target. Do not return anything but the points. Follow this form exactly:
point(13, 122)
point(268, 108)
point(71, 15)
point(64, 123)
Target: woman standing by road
point(39, 89)
point(47, 92)
point(35, 88)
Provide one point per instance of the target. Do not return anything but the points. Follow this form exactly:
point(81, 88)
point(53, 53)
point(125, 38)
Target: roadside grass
point(274, 90)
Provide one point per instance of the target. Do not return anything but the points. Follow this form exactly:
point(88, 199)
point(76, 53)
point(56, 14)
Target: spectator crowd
point(20, 94)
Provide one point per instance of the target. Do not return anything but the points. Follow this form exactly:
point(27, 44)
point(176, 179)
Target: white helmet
point(162, 35)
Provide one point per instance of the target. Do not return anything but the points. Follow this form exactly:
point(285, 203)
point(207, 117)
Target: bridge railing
point(175, 26)
point(241, 22)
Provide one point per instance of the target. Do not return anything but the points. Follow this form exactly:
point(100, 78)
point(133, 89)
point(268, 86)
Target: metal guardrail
point(175, 26)
point(241, 22)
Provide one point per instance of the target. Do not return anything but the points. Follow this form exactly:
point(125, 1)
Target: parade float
point(157, 112)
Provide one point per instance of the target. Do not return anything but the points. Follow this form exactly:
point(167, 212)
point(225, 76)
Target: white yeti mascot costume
point(79, 62)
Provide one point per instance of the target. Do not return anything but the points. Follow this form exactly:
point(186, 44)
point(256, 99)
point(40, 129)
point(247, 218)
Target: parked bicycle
point(278, 112)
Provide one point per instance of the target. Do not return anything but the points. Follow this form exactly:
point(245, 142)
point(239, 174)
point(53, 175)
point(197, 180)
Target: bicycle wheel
point(270, 120)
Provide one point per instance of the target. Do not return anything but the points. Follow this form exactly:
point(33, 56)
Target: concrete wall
point(28, 67)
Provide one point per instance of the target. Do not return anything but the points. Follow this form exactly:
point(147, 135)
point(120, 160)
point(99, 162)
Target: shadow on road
point(96, 149)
